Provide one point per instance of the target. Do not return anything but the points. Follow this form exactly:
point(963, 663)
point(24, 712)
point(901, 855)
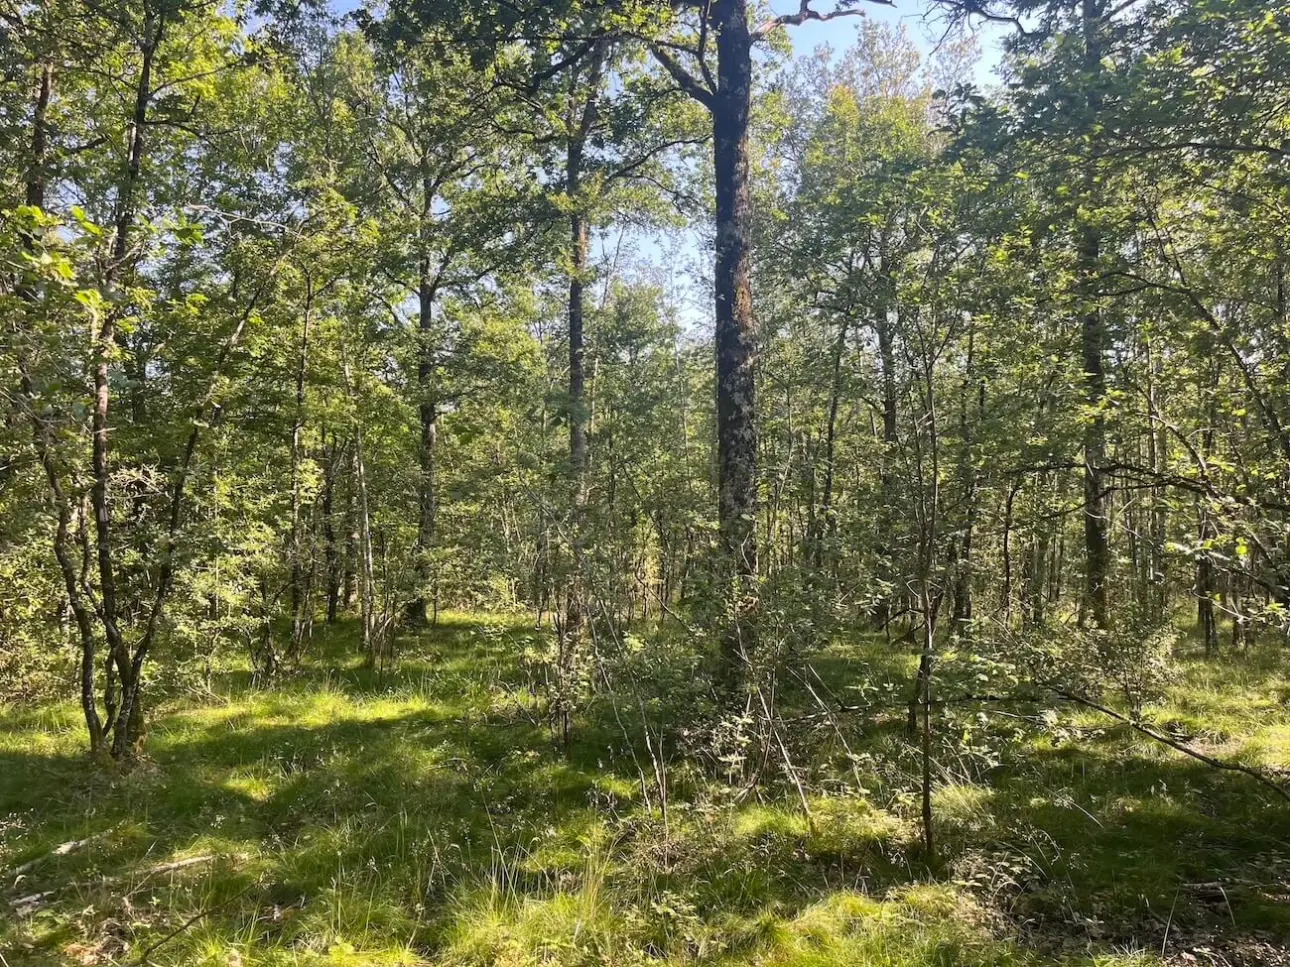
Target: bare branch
point(805, 13)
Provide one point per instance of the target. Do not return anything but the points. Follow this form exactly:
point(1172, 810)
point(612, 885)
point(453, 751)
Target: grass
point(429, 817)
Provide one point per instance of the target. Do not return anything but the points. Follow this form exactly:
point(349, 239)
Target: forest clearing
point(428, 816)
point(614, 482)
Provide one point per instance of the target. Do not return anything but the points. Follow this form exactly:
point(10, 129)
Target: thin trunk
point(580, 125)
point(330, 556)
point(37, 164)
point(297, 436)
point(1158, 509)
point(427, 414)
point(887, 480)
point(1093, 346)
point(363, 522)
point(929, 598)
point(128, 724)
point(1005, 593)
point(366, 574)
point(961, 621)
point(34, 197)
point(428, 417)
point(1036, 595)
point(1207, 531)
point(349, 582)
point(829, 518)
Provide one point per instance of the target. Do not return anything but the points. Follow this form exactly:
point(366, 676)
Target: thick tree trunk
point(735, 333)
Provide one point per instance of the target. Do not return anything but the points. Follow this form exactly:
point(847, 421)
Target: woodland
point(602, 482)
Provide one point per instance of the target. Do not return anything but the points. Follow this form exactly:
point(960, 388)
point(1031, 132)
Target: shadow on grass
point(339, 806)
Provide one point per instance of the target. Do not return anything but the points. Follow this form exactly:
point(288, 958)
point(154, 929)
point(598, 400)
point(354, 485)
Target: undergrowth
point(429, 816)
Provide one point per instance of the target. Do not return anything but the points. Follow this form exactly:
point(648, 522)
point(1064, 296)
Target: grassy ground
point(428, 817)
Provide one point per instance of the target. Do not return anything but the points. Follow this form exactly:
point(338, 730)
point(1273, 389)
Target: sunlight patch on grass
point(427, 817)
point(847, 825)
point(963, 804)
point(762, 822)
point(500, 928)
point(1269, 746)
point(923, 926)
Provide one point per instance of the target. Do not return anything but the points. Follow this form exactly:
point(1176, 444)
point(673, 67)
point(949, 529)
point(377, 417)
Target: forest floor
point(428, 816)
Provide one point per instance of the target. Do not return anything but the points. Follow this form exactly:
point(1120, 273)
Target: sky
point(919, 18)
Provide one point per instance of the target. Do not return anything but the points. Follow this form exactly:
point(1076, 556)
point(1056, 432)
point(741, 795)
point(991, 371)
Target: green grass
point(429, 817)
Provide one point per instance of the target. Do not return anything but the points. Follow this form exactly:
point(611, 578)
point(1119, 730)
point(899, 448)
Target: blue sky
point(920, 19)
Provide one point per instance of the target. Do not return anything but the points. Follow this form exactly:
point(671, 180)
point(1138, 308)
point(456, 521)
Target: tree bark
point(829, 522)
point(297, 436)
point(428, 407)
point(1093, 347)
point(887, 480)
point(36, 165)
point(579, 126)
point(128, 723)
point(735, 331)
point(331, 558)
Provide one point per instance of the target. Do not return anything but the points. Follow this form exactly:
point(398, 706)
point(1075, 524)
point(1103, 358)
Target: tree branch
point(684, 79)
point(1160, 737)
point(805, 13)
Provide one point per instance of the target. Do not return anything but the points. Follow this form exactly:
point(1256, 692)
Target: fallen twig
point(148, 951)
point(34, 901)
point(178, 864)
point(24, 905)
point(1160, 737)
point(60, 850)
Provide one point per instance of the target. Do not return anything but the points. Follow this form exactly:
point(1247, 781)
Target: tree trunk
point(34, 197)
point(297, 435)
point(579, 127)
point(428, 406)
point(887, 481)
point(735, 334)
point(829, 522)
point(127, 728)
point(36, 165)
point(961, 619)
point(1093, 344)
point(331, 558)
